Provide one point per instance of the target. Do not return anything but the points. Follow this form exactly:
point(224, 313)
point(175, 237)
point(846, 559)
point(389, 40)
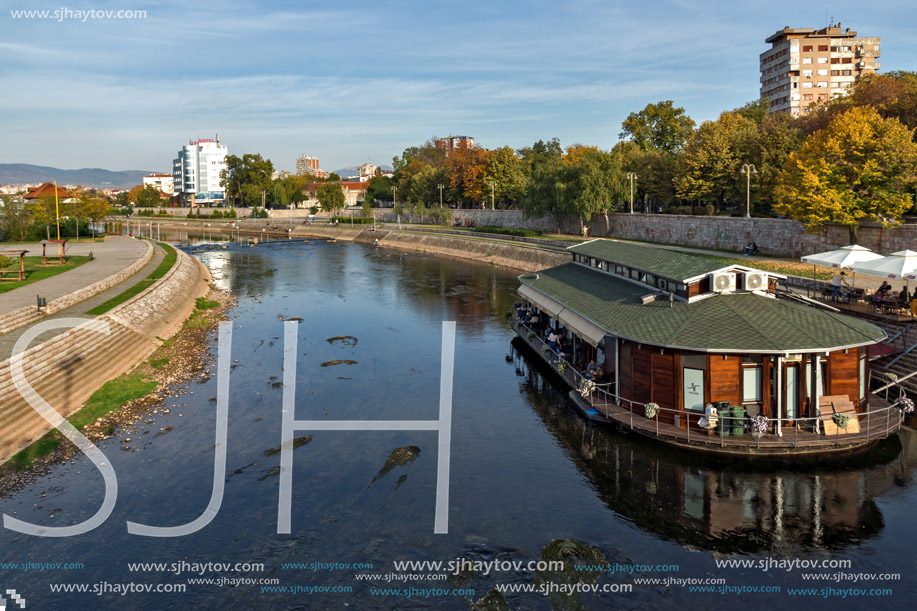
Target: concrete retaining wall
point(29, 314)
point(136, 328)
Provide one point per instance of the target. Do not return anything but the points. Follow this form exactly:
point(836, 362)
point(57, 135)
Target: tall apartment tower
point(804, 66)
point(196, 172)
point(308, 165)
point(455, 142)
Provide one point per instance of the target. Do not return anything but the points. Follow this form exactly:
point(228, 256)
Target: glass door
point(791, 396)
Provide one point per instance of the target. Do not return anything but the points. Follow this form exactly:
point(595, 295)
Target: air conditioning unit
point(755, 281)
point(724, 282)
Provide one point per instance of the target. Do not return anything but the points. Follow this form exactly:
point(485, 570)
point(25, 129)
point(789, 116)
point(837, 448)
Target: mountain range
point(24, 173)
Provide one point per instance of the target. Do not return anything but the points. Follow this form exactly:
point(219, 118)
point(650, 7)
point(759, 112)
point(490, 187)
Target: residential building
point(163, 182)
point(306, 164)
point(36, 193)
point(455, 142)
point(366, 172)
point(805, 66)
point(197, 172)
point(275, 175)
point(354, 192)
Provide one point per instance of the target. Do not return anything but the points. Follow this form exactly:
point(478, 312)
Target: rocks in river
point(339, 362)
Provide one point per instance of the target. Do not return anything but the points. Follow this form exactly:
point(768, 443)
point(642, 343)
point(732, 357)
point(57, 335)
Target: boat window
point(751, 384)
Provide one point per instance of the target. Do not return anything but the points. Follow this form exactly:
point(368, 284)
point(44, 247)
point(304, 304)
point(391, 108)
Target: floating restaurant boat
point(705, 356)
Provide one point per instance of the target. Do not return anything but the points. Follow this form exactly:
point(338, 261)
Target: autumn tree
point(659, 126)
point(861, 166)
point(465, 169)
point(16, 220)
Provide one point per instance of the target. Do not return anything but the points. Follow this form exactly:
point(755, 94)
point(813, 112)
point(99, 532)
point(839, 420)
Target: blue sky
point(357, 81)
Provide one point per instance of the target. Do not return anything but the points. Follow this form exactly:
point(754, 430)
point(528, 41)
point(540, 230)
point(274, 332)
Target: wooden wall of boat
point(843, 374)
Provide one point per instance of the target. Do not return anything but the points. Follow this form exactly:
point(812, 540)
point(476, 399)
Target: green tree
point(655, 170)
point(504, 169)
point(379, 189)
point(331, 197)
point(16, 220)
point(709, 167)
point(538, 153)
point(861, 166)
point(575, 191)
point(659, 126)
point(246, 177)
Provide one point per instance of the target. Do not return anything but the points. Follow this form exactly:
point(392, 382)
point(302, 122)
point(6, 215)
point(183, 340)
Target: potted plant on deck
point(759, 425)
point(650, 410)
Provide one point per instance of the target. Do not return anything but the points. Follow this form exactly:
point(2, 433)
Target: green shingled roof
point(739, 322)
point(657, 261)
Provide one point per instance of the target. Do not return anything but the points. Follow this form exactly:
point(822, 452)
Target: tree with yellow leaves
point(860, 166)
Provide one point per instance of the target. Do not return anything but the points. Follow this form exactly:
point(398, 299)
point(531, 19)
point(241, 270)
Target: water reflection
point(695, 501)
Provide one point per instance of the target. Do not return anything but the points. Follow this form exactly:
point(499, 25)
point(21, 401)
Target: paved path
point(111, 256)
point(8, 340)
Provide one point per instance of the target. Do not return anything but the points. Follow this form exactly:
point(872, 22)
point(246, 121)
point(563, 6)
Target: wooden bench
point(829, 406)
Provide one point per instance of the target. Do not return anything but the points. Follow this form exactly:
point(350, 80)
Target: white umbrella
point(845, 257)
point(901, 264)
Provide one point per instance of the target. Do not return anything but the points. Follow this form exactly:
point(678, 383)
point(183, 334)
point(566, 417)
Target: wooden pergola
point(20, 273)
point(61, 250)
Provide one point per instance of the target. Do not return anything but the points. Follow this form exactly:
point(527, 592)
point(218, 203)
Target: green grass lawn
point(35, 271)
point(167, 262)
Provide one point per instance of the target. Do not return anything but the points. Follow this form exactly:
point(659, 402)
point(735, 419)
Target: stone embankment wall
point(29, 314)
point(779, 237)
point(516, 256)
point(68, 368)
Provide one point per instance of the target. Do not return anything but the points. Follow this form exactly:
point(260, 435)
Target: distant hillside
point(353, 170)
point(22, 173)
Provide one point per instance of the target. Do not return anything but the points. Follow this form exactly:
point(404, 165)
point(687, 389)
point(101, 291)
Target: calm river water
point(525, 471)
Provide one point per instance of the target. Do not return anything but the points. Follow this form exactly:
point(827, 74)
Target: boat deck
point(881, 421)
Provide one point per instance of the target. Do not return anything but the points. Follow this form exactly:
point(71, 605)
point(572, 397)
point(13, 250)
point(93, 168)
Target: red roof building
point(46, 189)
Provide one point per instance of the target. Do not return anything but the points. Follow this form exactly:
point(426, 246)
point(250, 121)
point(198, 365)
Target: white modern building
point(366, 172)
point(164, 182)
point(196, 172)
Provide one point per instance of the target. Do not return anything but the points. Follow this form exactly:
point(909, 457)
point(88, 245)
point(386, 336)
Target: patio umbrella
point(901, 264)
point(845, 257)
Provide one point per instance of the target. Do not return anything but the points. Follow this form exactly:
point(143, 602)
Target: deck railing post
point(688, 426)
point(888, 416)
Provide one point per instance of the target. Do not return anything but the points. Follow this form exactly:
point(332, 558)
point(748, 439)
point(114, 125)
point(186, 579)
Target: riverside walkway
point(110, 257)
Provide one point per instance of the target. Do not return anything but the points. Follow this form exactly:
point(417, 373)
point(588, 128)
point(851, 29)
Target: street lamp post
point(632, 177)
point(748, 169)
point(393, 197)
point(492, 206)
point(440, 187)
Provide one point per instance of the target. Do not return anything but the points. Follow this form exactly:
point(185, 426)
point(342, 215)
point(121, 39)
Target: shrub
point(5, 261)
point(525, 233)
point(357, 220)
point(710, 209)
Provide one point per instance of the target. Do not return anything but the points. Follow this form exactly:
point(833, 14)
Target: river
point(525, 470)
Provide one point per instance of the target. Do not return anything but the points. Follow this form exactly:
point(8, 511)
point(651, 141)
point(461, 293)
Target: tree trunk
point(853, 233)
point(607, 225)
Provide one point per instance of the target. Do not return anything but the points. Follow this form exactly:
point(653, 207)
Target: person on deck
point(836, 283)
point(903, 297)
point(592, 370)
point(552, 340)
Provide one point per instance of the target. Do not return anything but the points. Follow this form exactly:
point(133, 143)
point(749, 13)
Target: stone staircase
point(66, 369)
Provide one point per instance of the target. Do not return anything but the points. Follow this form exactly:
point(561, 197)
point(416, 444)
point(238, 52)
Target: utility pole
point(492, 206)
point(631, 176)
point(57, 213)
point(440, 195)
